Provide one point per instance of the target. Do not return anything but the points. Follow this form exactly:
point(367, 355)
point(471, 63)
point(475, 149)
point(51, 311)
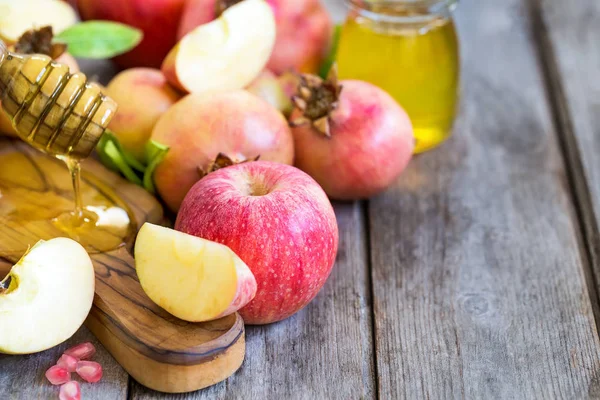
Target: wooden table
point(476, 275)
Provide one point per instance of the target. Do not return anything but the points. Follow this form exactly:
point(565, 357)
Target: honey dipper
point(57, 112)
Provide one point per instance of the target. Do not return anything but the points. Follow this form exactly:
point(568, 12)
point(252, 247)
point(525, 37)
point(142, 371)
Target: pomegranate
point(58, 375)
point(82, 351)
point(89, 371)
point(67, 362)
point(353, 138)
point(237, 124)
point(70, 391)
point(303, 30)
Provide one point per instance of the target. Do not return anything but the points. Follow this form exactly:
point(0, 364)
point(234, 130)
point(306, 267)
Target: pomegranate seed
point(82, 351)
point(70, 391)
point(58, 375)
point(89, 371)
point(67, 362)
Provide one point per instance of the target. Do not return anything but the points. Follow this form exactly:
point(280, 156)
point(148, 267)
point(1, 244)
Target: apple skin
point(143, 95)
point(304, 31)
point(371, 143)
point(278, 220)
point(158, 19)
point(199, 127)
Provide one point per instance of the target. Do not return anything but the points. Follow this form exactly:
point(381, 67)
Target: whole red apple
point(278, 220)
point(303, 31)
point(158, 19)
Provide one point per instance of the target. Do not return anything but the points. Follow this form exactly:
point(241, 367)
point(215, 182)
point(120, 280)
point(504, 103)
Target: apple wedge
point(49, 295)
point(194, 279)
point(18, 16)
point(225, 54)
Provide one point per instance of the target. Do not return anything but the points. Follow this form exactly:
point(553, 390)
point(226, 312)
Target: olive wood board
point(158, 350)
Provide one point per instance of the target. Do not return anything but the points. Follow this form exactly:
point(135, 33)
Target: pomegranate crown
point(317, 99)
point(221, 161)
point(39, 41)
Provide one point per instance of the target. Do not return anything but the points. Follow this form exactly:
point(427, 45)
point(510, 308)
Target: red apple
point(303, 31)
point(278, 220)
point(158, 19)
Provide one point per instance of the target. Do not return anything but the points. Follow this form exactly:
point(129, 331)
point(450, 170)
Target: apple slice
point(18, 16)
point(192, 278)
point(225, 54)
point(49, 295)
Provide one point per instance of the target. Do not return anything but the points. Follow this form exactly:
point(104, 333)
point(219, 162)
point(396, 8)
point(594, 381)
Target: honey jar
point(411, 50)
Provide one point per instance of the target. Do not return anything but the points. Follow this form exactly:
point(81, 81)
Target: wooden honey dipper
point(57, 112)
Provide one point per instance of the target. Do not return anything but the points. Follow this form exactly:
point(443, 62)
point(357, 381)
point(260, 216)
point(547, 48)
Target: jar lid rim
point(431, 6)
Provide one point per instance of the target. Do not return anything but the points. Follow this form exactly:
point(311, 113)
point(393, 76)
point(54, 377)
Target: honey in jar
point(410, 49)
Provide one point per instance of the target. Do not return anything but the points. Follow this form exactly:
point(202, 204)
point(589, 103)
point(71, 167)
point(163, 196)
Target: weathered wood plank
point(323, 352)
point(22, 377)
point(479, 283)
point(569, 34)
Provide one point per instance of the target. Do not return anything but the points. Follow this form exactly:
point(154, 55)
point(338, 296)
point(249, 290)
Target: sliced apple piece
point(225, 54)
point(18, 16)
point(49, 295)
point(192, 278)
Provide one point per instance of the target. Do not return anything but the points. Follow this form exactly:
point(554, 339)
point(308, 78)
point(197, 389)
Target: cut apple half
point(194, 279)
point(18, 16)
point(49, 295)
point(225, 54)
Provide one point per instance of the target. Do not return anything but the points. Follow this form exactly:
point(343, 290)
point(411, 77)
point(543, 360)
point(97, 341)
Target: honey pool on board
point(417, 64)
point(36, 191)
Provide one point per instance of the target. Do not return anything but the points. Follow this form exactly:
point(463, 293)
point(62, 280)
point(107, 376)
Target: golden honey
point(35, 190)
point(410, 49)
point(63, 115)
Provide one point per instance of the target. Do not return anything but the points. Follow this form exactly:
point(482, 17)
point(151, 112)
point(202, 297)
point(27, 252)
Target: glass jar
point(410, 49)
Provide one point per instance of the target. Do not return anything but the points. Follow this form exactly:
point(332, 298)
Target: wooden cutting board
point(157, 349)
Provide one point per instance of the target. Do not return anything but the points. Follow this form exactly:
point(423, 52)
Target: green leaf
point(127, 156)
point(116, 158)
point(104, 157)
point(99, 39)
point(331, 57)
point(155, 153)
point(113, 153)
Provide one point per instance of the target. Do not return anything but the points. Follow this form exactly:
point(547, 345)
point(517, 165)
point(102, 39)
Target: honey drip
point(63, 115)
point(417, 63)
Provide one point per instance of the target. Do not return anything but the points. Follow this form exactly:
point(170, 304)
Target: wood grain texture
point(570, 50)
point(323, 352)
point(479, 288)
point(157, 349)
